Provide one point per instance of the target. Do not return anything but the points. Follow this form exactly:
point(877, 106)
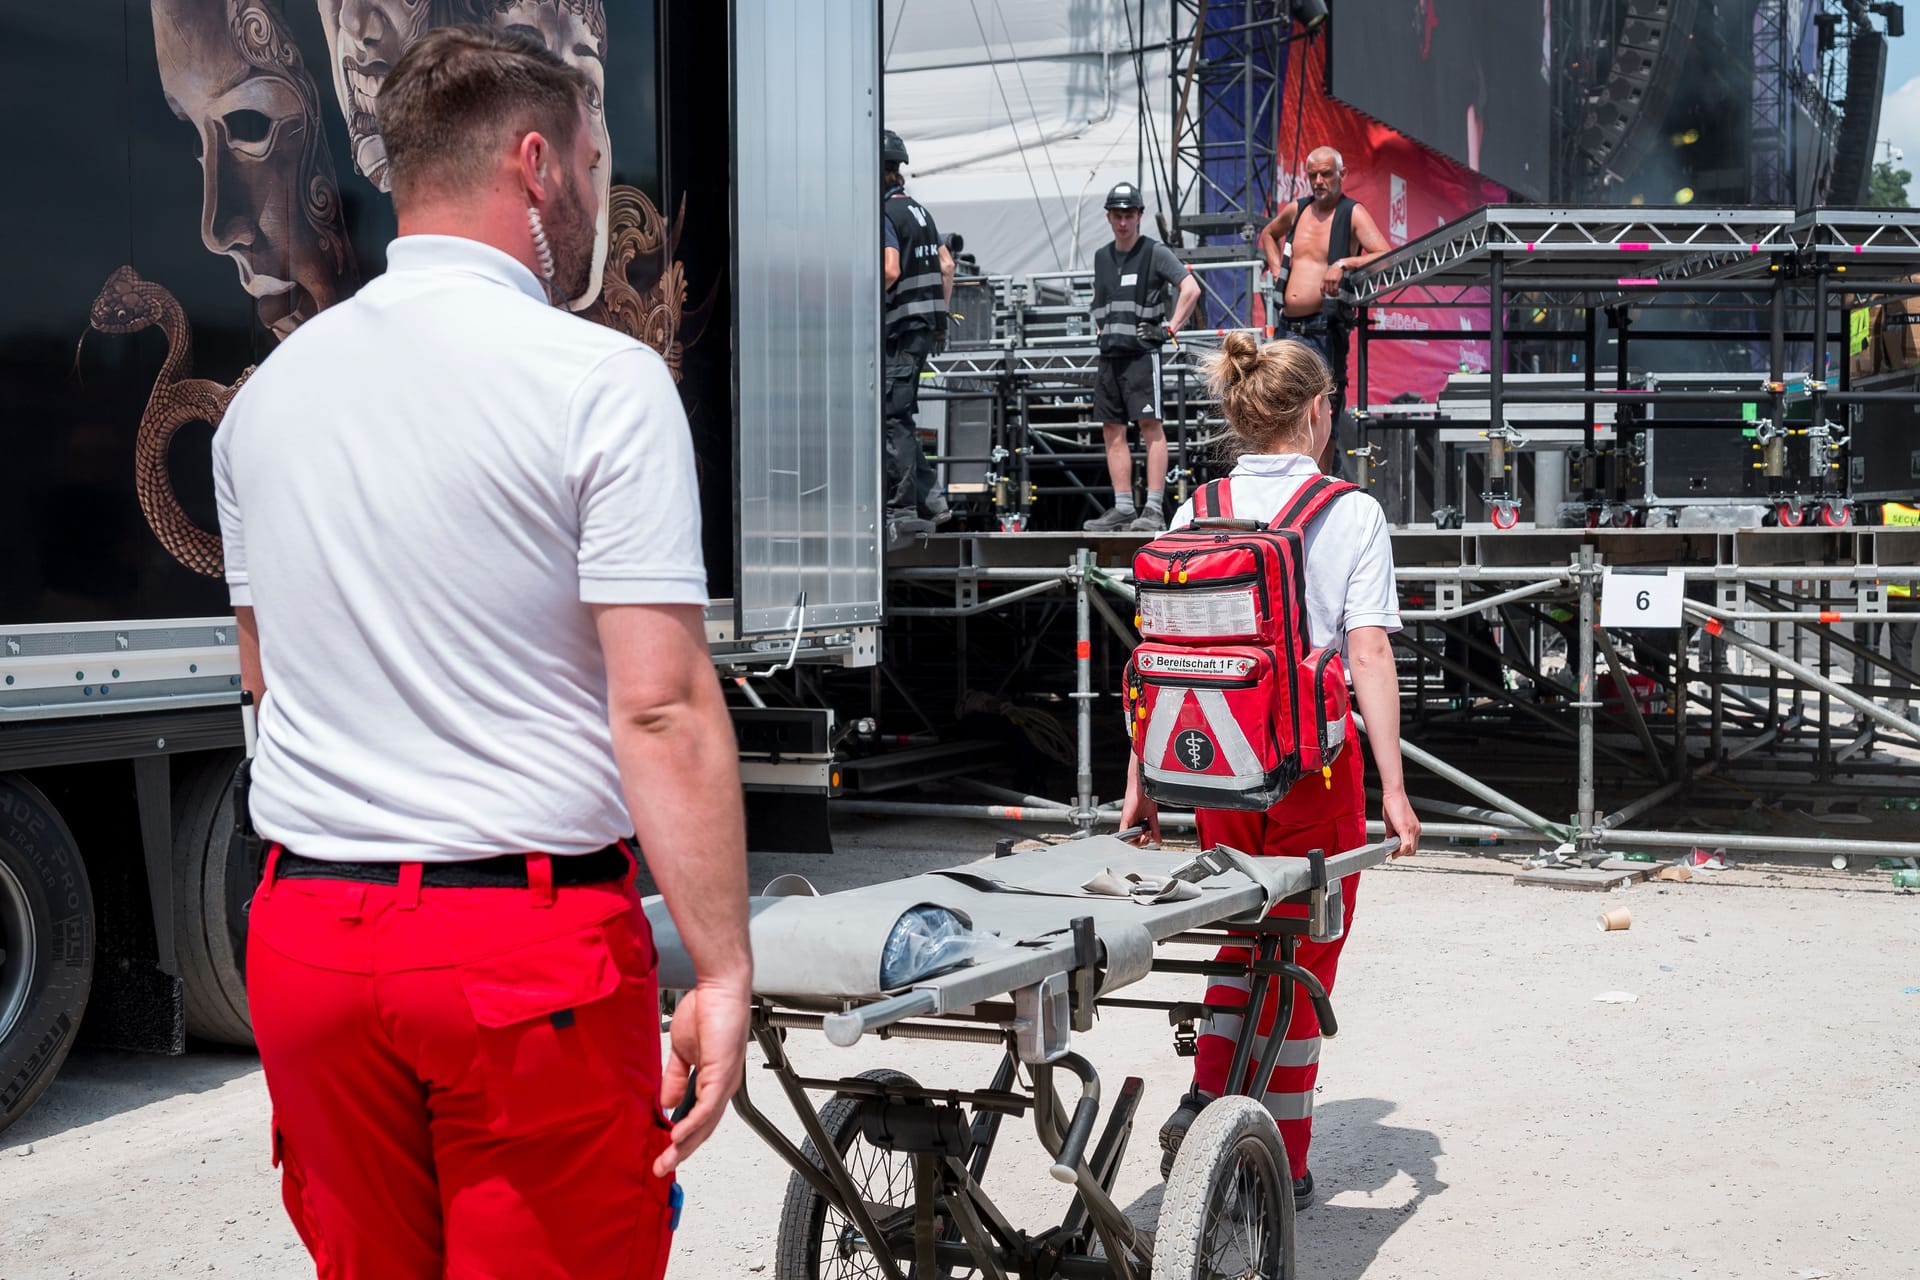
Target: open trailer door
point(806, 308)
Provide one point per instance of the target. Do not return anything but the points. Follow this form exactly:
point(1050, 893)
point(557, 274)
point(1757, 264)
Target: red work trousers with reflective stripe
point(465, 1081)
point(1312, 815)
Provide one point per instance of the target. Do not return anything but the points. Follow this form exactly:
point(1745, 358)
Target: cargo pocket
point(548, 1031)
point(293, 1195)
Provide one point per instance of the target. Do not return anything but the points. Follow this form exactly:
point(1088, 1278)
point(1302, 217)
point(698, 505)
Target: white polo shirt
point(422, 492)
point(1349, 551)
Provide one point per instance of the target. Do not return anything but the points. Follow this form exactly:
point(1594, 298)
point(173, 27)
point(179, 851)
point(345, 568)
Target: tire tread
point(1203, 1157)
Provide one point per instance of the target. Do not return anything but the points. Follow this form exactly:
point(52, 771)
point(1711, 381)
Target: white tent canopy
point(1019, 114)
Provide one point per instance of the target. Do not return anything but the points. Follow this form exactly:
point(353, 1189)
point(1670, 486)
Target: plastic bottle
point(1906, 878)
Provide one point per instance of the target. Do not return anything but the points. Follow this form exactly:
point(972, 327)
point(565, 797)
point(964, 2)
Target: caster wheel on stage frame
point(1505, 515)
point(1789, 515)
point(1228, 1209)
point(1835, 515)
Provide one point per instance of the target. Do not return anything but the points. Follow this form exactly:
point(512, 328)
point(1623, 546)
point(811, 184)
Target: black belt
point(1303, 324)
point(507, 871)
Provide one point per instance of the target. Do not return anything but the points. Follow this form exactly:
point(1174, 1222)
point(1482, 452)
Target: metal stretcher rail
point(889, 1180)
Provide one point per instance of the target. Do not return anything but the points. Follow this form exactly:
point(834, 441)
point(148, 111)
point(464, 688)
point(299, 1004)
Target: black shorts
point(1127, 388)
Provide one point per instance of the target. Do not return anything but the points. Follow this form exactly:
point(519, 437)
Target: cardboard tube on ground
point(1618, 918)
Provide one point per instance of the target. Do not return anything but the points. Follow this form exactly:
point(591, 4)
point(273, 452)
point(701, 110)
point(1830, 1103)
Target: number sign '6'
point(1641, 597)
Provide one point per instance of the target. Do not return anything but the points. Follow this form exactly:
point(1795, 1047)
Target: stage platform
point(1863, 553)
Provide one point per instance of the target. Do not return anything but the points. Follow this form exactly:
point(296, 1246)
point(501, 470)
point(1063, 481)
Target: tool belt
point(507, 871)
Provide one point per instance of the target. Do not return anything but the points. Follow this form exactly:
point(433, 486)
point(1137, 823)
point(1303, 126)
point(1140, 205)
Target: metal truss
point(1770, 181)
point(1044, 363)
point(1887, 238)
point(1228, 57)
point(1612, 245)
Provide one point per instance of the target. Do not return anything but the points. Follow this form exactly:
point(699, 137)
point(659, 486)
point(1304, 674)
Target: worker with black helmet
point(919, 287)
point(1131, 278)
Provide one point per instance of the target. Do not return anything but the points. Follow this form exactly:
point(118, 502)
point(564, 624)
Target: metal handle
point(845, 1029)
point(1066, 1166)
point(1323, 1010)
point(1317, 993)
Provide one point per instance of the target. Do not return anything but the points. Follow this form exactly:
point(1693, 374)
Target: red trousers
point(1311, 816)
point(465, 1082)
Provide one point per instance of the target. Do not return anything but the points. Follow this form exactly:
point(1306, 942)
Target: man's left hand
point(710, 1026)
point(1330, 284)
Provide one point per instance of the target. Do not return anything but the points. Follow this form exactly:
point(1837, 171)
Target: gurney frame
point(888, 1180)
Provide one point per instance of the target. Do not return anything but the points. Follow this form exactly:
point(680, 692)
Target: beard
point(571, 233)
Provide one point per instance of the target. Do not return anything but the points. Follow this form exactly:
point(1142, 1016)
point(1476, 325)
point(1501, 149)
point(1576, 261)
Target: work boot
point(1303, 1191)
point(937, 509)
point(903, 526)
point(1112, 520)
point(1150, 520)
point(1174, 1131)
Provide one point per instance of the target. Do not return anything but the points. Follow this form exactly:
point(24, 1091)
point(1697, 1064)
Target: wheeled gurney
point(1019, 952)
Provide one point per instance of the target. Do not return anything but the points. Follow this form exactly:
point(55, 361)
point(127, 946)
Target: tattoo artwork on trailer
point(271, 201)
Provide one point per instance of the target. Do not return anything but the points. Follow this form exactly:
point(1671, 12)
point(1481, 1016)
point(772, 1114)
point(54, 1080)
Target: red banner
point(1410, 191)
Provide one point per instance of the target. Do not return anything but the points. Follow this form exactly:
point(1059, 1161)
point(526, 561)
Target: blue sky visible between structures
point(1900, 109)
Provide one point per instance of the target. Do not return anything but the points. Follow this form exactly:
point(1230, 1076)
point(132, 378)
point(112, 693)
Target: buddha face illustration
point(365, 38)
point(577, 31)
point(268, 197)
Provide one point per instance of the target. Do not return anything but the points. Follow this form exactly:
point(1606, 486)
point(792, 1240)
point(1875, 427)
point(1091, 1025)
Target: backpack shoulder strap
point(1314, 497)
point(1214, 501)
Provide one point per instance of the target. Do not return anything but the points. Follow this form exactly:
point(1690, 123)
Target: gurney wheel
point(815, 1240)
point(1228, 1209)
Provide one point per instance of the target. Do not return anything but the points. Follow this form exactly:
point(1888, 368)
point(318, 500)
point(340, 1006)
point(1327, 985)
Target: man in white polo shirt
point(463, 543)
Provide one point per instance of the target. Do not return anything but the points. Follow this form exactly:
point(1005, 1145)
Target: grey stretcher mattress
point(825, 951)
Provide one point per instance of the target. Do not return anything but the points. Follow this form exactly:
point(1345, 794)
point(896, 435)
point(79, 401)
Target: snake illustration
point(129, 303)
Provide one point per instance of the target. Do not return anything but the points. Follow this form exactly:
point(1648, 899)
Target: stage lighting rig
point(1896, 16)
point(1311, 14)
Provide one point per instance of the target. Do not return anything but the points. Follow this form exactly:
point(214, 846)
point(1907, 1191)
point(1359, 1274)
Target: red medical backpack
point(1228, 702)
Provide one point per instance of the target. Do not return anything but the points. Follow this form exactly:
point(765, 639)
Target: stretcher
point(1020, 952)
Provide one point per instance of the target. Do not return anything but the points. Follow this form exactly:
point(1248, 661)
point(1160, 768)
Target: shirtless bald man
point(1309, 246)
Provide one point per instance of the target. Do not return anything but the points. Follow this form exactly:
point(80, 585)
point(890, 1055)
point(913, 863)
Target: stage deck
point(1865, 553)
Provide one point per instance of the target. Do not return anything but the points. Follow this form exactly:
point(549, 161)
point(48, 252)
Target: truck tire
point(213, 879)
point(46, 944)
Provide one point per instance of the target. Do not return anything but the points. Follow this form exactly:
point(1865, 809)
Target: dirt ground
point(1750, 1114)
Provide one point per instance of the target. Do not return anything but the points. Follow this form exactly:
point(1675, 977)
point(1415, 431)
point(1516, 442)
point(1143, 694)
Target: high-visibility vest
point(1900, 515)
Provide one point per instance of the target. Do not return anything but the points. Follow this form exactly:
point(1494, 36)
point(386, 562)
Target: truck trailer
point(208, 176)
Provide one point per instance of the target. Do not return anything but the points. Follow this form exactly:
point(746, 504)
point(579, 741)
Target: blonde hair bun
point(1266, 391)
point(1242, 357)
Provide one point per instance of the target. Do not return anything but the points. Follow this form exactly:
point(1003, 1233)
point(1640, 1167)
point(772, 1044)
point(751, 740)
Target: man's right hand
point(709, 1033)
point(1138, 811)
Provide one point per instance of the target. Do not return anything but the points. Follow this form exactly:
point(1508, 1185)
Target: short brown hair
point(461, 94)
point(1267, 391)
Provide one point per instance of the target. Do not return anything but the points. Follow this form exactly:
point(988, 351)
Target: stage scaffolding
point(1720, 265)
point(1771, 687)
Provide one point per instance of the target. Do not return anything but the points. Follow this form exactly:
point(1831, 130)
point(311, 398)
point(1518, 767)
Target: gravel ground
point(1748, 1115)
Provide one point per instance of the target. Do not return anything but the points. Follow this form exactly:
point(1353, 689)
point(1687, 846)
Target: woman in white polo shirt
point(1277, 399)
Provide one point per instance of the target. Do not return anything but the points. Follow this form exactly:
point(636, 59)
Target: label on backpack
point(1193, 664)
point(1193, 750)
point(1232, 612)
